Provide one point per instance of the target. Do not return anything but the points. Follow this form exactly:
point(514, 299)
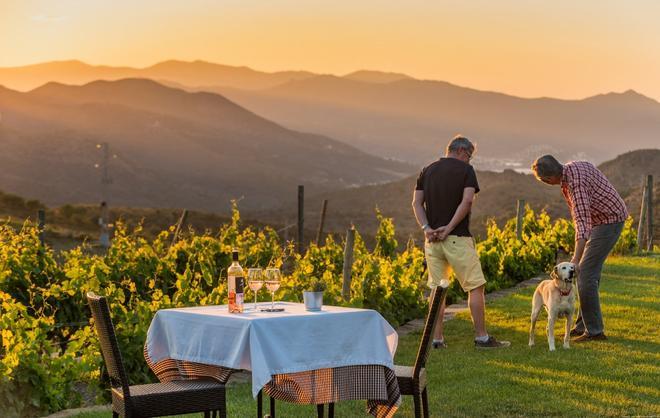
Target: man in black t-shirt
point(442, 202)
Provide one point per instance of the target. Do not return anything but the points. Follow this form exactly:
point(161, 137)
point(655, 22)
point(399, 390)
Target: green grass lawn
point(618, 377)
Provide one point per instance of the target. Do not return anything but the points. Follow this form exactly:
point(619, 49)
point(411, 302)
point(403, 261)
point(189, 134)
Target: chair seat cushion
point(170, 398)
point(404, 376)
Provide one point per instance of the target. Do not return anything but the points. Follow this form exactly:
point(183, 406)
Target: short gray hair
point(547, 166)
point(460, 142)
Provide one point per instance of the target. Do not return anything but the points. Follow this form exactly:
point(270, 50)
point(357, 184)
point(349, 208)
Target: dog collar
point(564, 292)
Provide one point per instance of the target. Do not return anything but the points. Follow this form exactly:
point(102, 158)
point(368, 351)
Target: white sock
point(482, 339)
point(438, 341)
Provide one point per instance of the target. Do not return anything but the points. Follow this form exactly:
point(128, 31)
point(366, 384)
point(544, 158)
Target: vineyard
point(49, 355)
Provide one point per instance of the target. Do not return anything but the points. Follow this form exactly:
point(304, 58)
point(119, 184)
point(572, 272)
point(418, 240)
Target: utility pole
point(301, 219)
point(106, 181)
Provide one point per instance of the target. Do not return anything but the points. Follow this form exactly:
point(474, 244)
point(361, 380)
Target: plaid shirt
point(591, 198)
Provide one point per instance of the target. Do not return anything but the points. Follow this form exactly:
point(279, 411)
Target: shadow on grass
point(600, 379)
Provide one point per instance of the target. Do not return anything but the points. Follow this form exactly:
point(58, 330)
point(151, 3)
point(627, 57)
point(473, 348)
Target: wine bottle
point(236, 284)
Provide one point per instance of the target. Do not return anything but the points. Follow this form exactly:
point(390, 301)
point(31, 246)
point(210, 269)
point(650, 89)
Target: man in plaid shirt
point(598, 214)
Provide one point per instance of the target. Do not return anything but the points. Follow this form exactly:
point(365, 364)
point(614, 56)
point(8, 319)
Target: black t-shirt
point(443, 182)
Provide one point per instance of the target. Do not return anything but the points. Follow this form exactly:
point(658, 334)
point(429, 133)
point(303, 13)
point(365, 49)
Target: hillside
point(69, 224)
point(413, 119)
point(497, 199)
point(626, 173)
point(174, 149)
point(627, 170)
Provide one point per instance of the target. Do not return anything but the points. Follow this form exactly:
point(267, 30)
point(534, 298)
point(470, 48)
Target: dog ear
point(555, 273)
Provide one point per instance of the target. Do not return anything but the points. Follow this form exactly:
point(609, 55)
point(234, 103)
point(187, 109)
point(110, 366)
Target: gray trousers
point(600, 243)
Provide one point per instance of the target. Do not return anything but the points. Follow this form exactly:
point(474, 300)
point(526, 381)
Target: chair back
point(108, 340)
point(437, 298)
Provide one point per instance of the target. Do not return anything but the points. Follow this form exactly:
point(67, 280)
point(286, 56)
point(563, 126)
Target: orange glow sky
point(530, 48)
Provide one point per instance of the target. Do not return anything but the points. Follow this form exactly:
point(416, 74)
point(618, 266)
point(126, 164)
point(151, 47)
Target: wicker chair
point(412, 380)
point(156, 399)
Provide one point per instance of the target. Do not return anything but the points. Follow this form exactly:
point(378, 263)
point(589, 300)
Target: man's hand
point(441, 233)
point(432, 235)
point(576, 262)
point(580, 244)
point(429, 234)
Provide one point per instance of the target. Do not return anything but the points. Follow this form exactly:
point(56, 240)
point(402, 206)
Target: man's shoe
point(491, 343)
point(576, 332)
point(586, 338)
point(439, 344)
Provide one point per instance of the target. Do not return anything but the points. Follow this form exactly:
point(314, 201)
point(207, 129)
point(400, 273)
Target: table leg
point(319, 410)
point(260, 409)
point(331, 410)
point(272, 407)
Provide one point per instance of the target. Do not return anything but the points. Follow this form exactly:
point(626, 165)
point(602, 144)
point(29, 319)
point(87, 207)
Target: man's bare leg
point(477, 304)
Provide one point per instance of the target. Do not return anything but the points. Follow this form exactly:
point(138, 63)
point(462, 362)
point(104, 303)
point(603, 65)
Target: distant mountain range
point(184, 73)
point(192, 74)
point(174, 149)
point(414, 119)
point(396, 116)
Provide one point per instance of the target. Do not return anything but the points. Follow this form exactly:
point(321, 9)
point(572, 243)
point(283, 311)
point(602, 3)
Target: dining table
point(294, 355)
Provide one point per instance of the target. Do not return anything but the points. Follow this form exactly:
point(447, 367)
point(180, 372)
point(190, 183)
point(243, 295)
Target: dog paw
point(566, 347)
point(531, 343)
point(552, 349)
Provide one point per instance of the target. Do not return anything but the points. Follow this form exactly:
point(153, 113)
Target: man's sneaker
point(439, 344)
point(491, 343)
point(586, 338)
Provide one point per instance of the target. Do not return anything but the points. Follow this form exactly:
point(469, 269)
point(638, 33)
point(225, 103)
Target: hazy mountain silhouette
point(395, 116)
point(174, 149)
point(413, 119)
point(369, 76)
point(192, 74)
point(497, 198)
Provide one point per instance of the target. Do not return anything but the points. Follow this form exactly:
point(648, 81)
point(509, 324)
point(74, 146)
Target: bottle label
point(240, 284)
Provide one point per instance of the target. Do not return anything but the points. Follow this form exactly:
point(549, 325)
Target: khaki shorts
point(457, 254)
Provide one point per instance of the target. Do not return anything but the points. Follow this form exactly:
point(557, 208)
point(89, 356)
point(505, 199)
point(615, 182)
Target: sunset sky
point(567, 49)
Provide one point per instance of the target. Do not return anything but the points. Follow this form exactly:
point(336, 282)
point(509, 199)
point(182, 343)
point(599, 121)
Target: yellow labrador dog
point(558, 297)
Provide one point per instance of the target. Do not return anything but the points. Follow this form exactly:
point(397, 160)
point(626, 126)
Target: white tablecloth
point(272, 343)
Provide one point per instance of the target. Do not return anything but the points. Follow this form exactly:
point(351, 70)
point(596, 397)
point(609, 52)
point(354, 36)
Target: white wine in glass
point(255, 282)
point(273, 276)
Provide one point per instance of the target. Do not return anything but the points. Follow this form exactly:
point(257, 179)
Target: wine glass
point(273, 276)
point(255, 282)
